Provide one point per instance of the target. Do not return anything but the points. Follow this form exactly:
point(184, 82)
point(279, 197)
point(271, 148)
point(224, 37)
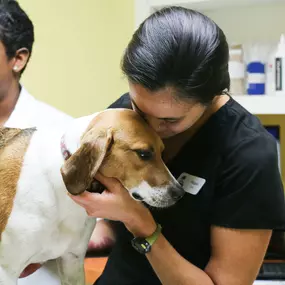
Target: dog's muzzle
point(176, 192)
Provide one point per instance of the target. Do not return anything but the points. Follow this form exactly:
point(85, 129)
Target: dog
point(38, 220)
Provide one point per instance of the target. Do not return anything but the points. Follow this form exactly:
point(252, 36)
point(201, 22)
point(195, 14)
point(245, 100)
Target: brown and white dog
point(38, 221)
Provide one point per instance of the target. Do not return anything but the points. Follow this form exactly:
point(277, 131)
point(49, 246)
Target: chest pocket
point(185, 225)
point(188, 220)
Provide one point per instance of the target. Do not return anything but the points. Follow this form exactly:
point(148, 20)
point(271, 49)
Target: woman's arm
point(103, 238)
point(237, 254)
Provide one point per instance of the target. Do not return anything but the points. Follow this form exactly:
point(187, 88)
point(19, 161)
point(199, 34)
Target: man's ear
point(79, 170)
point(21, 59)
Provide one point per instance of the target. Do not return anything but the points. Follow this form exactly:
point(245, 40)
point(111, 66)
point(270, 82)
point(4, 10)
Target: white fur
point(45, 223)
point(158, 197)
point(78, 127)
point(154, 196)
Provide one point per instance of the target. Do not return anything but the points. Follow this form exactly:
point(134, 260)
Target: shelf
point(209, 4)
point(262, 104)
point(143, 8)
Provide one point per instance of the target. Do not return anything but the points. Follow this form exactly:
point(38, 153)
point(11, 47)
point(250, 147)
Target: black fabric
point(243, 190)
point(123, 102)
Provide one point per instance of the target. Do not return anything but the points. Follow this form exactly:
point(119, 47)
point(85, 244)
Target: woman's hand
point(116, 204)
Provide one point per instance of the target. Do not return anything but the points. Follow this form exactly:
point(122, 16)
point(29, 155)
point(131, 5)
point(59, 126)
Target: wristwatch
point(143, 245)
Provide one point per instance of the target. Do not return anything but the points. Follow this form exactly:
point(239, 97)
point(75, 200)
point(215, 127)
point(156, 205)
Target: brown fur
point(129, 133)
point(79, 170)
point(13, 146)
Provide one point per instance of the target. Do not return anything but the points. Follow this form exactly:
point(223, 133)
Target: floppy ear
point(79, 170)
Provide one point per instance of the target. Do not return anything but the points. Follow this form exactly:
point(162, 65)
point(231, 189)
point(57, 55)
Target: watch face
point(141, 245)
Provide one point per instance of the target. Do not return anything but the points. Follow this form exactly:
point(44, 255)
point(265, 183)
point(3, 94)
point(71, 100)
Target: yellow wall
point(76, 61)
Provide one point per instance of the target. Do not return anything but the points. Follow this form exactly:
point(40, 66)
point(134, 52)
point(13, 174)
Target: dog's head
point(119, 144)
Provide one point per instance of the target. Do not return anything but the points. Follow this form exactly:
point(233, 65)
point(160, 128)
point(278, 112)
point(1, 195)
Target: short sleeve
point(123, 102)
point(249, 192)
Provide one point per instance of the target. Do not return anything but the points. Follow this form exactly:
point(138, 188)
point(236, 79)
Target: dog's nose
point(176, 192)
point(137, 196)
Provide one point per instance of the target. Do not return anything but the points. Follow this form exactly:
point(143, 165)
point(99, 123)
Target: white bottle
point(280, 67)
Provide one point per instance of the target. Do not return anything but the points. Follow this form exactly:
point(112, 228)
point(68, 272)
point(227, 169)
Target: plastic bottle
point(256, 78)
point(280, 67)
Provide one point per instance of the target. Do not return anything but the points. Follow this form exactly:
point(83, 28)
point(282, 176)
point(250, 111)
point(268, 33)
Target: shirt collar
point(21, 116)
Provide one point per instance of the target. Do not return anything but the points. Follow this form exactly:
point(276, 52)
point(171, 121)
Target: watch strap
point(152, 238)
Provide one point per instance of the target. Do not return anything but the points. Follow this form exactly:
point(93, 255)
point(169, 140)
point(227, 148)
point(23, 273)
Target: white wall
point(251, 23)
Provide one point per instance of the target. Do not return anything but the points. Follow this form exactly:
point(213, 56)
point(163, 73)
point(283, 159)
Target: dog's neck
point(53, 158)
point(64, 150)
point(61, 144)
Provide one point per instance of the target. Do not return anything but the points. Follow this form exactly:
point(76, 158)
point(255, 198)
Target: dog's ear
point(79, 170)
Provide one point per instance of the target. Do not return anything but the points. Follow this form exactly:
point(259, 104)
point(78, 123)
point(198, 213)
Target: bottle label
point(256, 78)
point(278, 74)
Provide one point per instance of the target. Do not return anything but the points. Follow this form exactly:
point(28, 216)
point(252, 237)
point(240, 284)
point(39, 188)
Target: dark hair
point(16, 29)
point(179, 48)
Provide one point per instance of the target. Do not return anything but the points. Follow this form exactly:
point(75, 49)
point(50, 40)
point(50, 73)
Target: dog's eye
point(144, 154)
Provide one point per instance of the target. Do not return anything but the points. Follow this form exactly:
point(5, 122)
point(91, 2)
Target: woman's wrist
point(141, 226)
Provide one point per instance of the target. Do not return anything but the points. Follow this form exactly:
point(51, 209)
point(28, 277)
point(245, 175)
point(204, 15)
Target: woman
point(218, 233)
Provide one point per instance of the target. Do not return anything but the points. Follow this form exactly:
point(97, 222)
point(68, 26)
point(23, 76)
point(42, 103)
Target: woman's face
point(166, 114)
point(6, 74)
